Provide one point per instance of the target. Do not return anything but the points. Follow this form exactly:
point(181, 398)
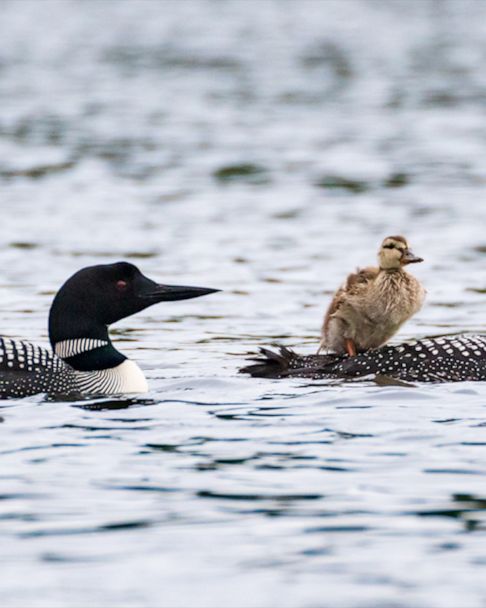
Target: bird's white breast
point(131, 378)
point(124, 378)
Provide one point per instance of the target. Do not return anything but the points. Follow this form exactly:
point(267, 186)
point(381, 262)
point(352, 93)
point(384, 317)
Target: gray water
point(264, 148)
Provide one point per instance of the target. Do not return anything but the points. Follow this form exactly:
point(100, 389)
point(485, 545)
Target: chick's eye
point(121, 285)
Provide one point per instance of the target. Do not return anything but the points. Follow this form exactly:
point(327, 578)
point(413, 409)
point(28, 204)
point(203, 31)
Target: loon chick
point(443, 359)
point(84, 360)
point(374, 302)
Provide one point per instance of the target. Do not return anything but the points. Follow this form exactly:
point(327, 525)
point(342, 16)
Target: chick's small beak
point(409, 257)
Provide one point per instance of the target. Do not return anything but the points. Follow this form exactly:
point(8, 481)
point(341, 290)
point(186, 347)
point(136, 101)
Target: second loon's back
point(442, 359)
point(446, 359)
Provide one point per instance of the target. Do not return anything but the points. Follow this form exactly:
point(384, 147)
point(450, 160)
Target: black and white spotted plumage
point(443, 359)
point(27, 369)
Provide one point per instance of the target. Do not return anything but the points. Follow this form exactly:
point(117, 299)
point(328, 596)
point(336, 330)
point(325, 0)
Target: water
point(263, 148)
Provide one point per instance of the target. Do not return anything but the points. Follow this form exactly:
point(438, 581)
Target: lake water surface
point(264, 148)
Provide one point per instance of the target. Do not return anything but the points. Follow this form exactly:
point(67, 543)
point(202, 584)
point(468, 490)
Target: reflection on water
point(265, 150)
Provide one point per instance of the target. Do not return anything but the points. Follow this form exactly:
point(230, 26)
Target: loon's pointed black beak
point(168, 293)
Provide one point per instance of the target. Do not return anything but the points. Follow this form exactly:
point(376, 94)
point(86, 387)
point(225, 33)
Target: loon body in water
point(83, 360)
point(443, 359)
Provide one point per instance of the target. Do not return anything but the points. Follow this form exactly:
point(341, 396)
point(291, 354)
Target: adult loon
point(84, 360)
point(442, 359)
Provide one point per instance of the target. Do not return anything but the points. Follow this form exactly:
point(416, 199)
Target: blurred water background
point(264, 147)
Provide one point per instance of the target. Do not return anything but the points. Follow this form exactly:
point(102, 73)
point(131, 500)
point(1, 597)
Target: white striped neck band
point(71, 348)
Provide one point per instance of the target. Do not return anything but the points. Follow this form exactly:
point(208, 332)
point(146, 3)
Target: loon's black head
point(98, 296)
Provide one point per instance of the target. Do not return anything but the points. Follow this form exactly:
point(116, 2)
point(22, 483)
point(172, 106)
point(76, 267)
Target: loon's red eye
point(121, 285)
